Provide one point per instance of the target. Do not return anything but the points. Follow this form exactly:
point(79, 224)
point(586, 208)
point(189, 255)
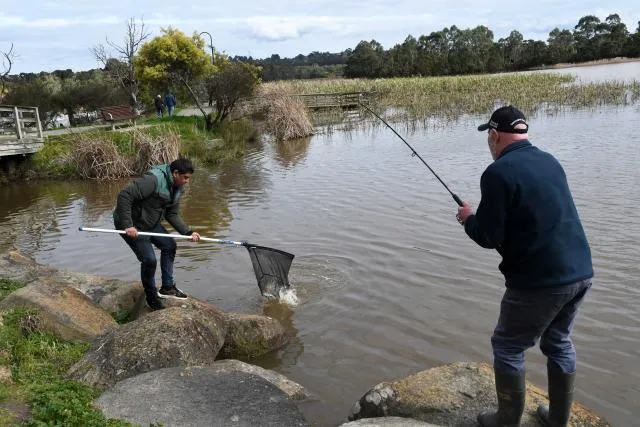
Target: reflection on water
point(289, 153)
point(388, 284)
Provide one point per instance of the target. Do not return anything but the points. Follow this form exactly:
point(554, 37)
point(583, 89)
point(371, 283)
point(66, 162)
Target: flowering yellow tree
point(175, 58)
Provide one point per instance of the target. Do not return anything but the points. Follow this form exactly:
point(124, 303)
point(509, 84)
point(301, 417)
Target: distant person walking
point(170, 102)
point(159, 106)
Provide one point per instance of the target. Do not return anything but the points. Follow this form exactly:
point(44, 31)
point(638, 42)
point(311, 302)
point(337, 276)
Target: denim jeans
point(142, 247)
point(527, 315)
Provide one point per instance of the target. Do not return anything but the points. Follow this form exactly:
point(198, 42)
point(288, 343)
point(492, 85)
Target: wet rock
point(387, 422)
point(114, 296)
point(118, 297)
point(294, 390)
point(175, 336)
point(200, 396)
point(62, 310)
point(452, 395)
point(19, 267)
point(252, 335)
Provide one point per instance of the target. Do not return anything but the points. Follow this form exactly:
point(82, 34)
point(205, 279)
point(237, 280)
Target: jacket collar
point(515, 146)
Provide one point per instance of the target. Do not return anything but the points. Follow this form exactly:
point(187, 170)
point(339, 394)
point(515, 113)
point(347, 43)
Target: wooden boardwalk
point(318, 101)
point(20, 130)
point(335, 100)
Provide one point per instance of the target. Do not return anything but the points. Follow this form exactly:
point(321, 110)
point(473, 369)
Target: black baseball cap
point(505, 119)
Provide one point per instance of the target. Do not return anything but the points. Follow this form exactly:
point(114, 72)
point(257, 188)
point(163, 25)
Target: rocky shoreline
point(190, 363)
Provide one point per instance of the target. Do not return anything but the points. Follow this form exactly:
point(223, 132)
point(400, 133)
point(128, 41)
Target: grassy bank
point(111, 154)
point(417, 98)
point(36, 392)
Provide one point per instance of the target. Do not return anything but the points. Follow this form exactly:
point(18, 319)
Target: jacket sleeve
point(172, 215)
point(486, 227)
point(138, 190)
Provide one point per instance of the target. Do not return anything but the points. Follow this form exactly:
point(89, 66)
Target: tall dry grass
point(453, 96)
point(152, 151)
point(286, 117)
point(96, 156)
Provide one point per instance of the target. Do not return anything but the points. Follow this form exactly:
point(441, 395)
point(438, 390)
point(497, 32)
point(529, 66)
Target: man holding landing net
point(527, 214)
point(141, 206)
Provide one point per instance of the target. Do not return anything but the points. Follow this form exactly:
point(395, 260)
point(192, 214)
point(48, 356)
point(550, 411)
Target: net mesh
point(271, 267)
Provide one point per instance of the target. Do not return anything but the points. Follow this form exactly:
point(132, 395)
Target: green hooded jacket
point(147, 200)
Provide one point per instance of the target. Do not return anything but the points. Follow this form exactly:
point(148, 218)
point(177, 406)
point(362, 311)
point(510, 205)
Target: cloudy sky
point(49, 35)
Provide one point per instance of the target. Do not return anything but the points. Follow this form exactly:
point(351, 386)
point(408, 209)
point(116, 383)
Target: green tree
point(433, 53)
point(175, 58)
point(633, 43)
point(233, 81)
point(614, 37)
point(511, 49)
point(366, 60)
point(561, 46)
point(587, 36)
point(38, 92)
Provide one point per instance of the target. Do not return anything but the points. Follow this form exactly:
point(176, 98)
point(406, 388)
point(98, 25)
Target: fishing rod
point(455, 197)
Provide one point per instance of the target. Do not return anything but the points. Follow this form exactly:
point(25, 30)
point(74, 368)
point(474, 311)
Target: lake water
point(388, 282)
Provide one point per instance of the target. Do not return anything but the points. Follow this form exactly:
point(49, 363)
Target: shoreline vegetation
point(103, 154)
point(35, 391)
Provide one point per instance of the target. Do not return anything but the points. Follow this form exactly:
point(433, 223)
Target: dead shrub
point(154, 151)
point(286, 116)
point(98, 158)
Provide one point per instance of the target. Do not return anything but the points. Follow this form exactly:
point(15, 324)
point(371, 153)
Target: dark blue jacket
point(527, 213)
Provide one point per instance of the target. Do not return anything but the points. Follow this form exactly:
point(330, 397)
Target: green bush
point(39, 362)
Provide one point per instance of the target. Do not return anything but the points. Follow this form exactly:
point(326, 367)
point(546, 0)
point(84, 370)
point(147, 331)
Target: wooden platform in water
point(20, 130)
point(335, 100)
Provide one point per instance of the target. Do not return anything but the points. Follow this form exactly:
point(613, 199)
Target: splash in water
point(288, 296)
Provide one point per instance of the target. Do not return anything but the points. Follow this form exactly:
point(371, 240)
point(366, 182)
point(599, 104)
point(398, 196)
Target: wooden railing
point(319, 100)
point(20, 122)
point(329, 100)
point(20, 130)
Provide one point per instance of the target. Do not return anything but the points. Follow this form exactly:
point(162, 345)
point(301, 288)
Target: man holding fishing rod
point(527, 214)
point(141, 205)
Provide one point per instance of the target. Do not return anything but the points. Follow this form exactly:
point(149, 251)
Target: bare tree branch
point(7, 62)
point(121, 65)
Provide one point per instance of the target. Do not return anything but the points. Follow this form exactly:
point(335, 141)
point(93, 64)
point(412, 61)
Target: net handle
point(173, 236)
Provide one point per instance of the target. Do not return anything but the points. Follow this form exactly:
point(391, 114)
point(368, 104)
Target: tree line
point(453, 50)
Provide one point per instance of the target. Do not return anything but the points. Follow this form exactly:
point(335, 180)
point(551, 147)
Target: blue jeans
point(170, 109)
point(527, 315)
point(142, 247)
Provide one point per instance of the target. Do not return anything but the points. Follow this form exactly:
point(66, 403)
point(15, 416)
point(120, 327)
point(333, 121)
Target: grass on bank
point(38, 363)
point(106, 154)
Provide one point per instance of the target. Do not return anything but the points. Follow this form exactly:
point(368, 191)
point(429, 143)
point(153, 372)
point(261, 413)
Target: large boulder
point(453, 395)
point(62, 310)
point(294, 390)
point(200, 396)
point(175, 336)
point(252, 335)
point(114, 296)
point(118, 297)
point(17, 266)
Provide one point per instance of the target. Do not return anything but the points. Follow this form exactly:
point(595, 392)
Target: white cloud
point(44, 23)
